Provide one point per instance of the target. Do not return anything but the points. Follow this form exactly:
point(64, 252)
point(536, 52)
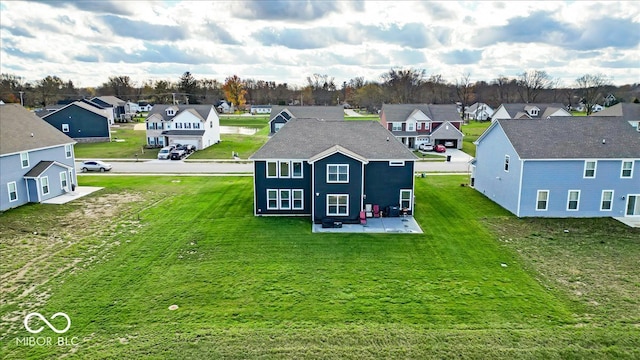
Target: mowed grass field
point(478, 284)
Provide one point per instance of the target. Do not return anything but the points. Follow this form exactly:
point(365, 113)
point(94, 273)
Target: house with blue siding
point(560, 167)
point(82, 120)
point(36, 160)
point(332, 170)
point(280, 115)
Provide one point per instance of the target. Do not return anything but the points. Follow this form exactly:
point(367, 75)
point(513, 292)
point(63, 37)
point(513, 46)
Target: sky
point(287, 41)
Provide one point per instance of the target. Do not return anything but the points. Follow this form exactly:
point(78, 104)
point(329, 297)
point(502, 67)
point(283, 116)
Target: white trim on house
point(546, 200)
point(602, 200)
point(570, 200)
point(15, 190)
point(622, 169)
point(586, 168)
point(337, 173)
point(338, 205)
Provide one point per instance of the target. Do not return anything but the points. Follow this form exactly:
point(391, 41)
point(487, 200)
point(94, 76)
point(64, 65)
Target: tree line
point(396, 86)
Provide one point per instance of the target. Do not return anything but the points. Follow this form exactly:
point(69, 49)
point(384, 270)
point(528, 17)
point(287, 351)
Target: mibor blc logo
point(46, 341)
point(35, 314)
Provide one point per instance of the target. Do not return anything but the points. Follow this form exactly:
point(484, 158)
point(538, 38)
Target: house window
point(196, 125)
point(63, 179)
point(24, 159)
point(65, 128)
point(590, 169)
point(337, 205)
point(542, 200)
point(396, 126)
point(210, 124)
point(272, 199)
point(419, 126)
point(337, 173)
point(277, 127)
point(45, 185)
point(506, 163)
point(68, 151)
point(607, 200)
point(405, 199)
point(151, 141)
point(573, 200)
point(272, 169)
point(187, 125)
point(396, 163)
point(285, 199)
point(297, 169)
point(284, 169)
point(149, 126)
point(410, 127)
point(178, 125)
point(627, 169)
point(13, 191)
point(298, 202)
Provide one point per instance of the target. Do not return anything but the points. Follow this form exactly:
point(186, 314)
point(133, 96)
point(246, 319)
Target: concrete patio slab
point(389, 225)
point(629, 221)
point(79, 192)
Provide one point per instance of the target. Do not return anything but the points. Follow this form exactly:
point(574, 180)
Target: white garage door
point(193, 142)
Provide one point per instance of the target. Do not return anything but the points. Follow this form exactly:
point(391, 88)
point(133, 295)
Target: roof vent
point(387, 138)
point(604, 141)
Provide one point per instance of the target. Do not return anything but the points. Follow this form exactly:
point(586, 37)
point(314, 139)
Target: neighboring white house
point(224, 107)
point(528, 111)
point(196, 125)
point(260, 109)
point(131, 107)
point(478, 111)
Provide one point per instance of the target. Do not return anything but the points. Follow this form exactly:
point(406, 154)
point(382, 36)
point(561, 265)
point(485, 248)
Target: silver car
point(95, 165)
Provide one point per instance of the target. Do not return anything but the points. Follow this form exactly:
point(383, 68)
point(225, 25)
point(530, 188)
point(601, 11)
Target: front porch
point(396, 225)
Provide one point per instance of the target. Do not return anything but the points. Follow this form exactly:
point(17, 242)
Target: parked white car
point(425, 147)
point(164, 153)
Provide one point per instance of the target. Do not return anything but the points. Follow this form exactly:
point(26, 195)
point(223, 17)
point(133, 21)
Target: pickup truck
point(178, 154)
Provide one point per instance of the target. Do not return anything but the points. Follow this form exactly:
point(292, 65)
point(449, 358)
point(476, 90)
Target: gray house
point(37, 161)
point(627, 111)
point(280, 115)
point(525, 111)
point(332, 170)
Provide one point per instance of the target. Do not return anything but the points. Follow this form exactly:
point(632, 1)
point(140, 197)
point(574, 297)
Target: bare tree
point(590, 88)
point(465, 92)
point(403, 84)
point(531, 83)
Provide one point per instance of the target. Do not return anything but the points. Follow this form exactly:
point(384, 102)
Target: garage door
point(450, 143)
point(193, 142)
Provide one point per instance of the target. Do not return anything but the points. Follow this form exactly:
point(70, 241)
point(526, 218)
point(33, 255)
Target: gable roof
point(21, 130)
point(306, 138)
point(515, 110)
point(446, 129)
point(436, 112)
point(628, 111)
point(86, 105)
point(572, 138)
point(111, 100)
point(330, 113)
point(160, 110)
point(41, 167)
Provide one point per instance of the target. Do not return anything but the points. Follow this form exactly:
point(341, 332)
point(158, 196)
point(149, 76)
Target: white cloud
point(287, 40)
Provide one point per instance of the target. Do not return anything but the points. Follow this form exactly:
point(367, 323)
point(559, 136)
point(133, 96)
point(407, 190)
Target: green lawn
point(476, 284)
point(134, 142)
point(471, 133)
point(243, 145)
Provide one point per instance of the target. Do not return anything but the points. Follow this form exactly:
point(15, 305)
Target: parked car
point(448, 143)
point(425, 147)
point(164, 153)
point(177, 154)
point(190, 148)
point(440, 148)
point(95, 165)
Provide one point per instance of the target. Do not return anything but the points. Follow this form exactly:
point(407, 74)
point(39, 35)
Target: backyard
point(478, 283)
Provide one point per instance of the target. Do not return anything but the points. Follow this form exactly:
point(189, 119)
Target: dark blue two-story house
point(332, 169)
point(280, 115)
point(82, 120)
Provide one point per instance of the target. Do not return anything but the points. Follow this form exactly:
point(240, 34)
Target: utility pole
point(21, 101)
point(174, 98)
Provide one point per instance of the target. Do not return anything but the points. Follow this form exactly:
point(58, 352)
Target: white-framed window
point(13, 191)
point(285, 199)
point(296, 170)
point(272, 169)
point(210, 124)
point(627, 169)
point(298, 199)
point(44, 182)
point(277, 126)
point(337, 173)
point(68, 151)
point(405, 199)
point(506, 163)
point(606, 203)
point(284, 169)
point(63, 179)
point(542, 200)
point(272, 199)
point(573, 200)
point(65, 128)
point(24, 159)
point(410, 127)
point(396, 126)
point(187, 125)
point(337, 205)
point(396, 163)
point(590, 169)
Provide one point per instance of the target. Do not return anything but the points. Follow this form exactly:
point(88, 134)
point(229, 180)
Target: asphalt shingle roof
point(16, 126)
point(573, 138)
point(330, 113)
point(436, 112)
point(628, 111)
point(304, 138)
point(545, 109)
point(160, 109)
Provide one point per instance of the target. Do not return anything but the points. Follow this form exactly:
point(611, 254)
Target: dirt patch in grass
point(594, 262)
point(39, 246)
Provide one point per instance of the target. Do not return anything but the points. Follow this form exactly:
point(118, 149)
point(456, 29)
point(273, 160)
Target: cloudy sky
point(288, 40)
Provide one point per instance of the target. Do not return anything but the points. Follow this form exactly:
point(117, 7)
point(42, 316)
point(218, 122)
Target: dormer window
point(534, 112)
point(171, 111)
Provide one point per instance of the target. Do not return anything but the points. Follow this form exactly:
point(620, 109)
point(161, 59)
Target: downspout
point(520, 188)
